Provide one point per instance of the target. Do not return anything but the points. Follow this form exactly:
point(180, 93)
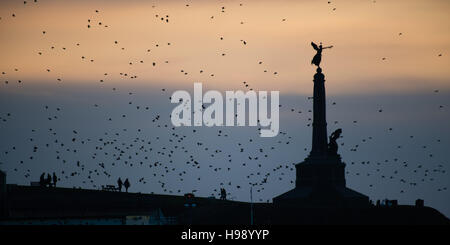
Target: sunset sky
point(387, 83)
point(362, 32)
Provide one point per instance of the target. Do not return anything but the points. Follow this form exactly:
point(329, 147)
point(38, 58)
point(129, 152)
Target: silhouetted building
point(40, 205)
point(3, 193)
point(391, 203)
point(321, 176)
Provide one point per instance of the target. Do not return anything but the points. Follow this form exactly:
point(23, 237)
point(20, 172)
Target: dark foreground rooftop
point(40, 203)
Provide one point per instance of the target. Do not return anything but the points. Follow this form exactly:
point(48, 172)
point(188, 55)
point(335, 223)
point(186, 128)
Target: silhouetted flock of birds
point(157, 157)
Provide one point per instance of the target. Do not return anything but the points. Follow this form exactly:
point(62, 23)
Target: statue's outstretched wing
point(314, 46)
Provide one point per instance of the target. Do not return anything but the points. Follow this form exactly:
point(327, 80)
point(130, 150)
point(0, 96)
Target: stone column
point(319, 135)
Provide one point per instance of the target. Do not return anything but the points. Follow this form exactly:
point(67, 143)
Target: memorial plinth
point(320, 178)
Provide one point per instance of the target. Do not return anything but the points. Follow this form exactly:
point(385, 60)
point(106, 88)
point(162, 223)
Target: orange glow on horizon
point(362, 32)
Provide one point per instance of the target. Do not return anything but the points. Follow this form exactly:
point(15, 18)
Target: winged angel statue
point(318, 57)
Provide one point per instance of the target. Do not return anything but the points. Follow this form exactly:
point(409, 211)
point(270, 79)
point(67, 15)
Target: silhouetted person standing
point(223, 194)
point(42, 180)
point(48, 181)
point(126, 184)
point(55, 179)
point(119, 183)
